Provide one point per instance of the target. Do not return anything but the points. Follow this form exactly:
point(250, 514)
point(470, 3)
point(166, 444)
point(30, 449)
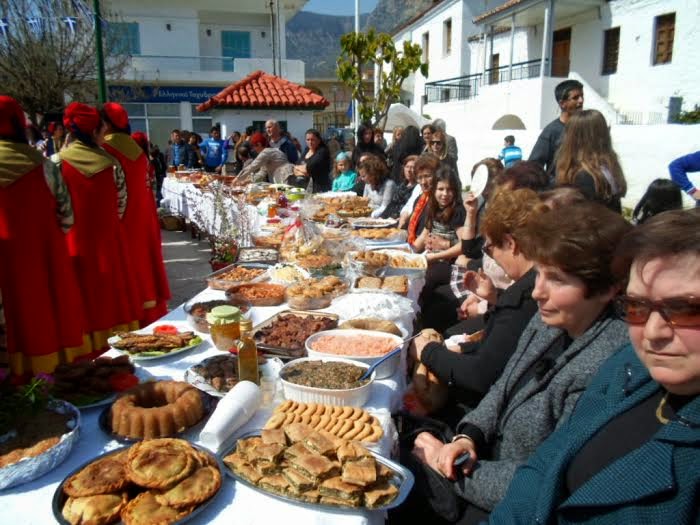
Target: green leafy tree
point(362, 51)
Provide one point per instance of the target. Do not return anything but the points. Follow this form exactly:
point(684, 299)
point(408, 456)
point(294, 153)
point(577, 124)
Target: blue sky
point(339, 7)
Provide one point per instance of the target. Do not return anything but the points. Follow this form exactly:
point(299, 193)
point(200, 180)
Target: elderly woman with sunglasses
point(630, 453)
point(558, 353)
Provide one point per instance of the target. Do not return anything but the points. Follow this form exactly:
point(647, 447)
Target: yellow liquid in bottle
point(247, 356)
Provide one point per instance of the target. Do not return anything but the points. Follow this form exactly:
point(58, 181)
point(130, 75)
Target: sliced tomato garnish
point(123, 381)
point(165, 329)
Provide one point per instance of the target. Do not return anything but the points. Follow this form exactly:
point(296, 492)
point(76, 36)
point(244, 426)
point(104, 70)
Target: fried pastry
point(362, 472)
point(337, 488)
point(247, 446)
point(319, 444)
point(351, 452)
point(314, 467)
point(297, 449)
point(310, 496)
point(144, 509)
point(297, 481)
point(192, 490)
point(380, 495)
point(276, 483)
point(100, 509)
point(160, 463)
point(274, 435)
point(100, 477)
point(238, 463)
point(269, 452)
point(265, 467)
point(297, 432)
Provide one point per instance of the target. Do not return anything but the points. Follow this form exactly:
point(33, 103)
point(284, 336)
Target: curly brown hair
point(375, 170)
point(509, 212)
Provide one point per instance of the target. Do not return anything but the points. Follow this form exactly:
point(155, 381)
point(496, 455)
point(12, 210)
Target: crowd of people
point(80, 248)
point(556, 375)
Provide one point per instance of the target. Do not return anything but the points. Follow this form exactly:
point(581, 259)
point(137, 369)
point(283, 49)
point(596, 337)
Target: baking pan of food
point(285, 333)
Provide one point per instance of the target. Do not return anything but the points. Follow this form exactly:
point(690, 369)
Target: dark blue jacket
point(658, 483)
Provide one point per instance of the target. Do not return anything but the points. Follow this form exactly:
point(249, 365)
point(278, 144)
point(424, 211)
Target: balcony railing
point(458, 88)
point(181, 63)
point(462, 88)
point(519, 71)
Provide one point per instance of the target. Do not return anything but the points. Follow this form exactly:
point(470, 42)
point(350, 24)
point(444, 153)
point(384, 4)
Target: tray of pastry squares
point(315, 469)
point(154, 481)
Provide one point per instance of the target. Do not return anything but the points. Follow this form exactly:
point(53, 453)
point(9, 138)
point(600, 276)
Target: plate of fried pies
point(316, 469)
point(154, 481)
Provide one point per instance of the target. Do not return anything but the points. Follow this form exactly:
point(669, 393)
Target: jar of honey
point(224, 326)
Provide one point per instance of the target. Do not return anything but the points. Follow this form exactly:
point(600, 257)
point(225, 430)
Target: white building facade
point(637, 60)
point(185, 52)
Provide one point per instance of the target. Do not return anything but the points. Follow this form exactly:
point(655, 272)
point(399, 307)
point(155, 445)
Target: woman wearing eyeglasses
point(630, 453)
point(438, 147)
point(557, 355)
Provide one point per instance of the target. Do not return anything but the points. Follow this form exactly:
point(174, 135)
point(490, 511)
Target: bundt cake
point(157, 409)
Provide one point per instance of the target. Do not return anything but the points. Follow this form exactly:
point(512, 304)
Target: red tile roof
point(260, 90)
point(498, 9)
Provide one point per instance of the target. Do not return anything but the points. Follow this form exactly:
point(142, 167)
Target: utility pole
point(355, 103)
point(102, 85)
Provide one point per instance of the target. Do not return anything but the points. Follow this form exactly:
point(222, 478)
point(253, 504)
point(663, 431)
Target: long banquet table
point(235, 503)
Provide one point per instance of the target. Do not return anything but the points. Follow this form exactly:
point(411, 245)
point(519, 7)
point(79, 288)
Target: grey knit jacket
point(516, 426)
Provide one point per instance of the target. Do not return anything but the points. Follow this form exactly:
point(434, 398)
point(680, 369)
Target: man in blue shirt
point(177, 152)
point(511, 153)
point(679, 170)
point(214, 151)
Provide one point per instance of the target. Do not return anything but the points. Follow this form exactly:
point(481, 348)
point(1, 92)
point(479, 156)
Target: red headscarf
point(141, 139)
point(258, 139)
point(81, 117)
point(12, 121)
point(117, 115)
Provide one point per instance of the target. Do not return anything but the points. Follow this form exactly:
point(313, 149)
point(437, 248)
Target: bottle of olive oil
point(247, 354)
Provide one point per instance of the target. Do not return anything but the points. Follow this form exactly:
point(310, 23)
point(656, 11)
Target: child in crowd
point(661, 195)
point(345, 176)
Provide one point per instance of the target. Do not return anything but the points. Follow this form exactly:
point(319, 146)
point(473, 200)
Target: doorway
point(495, 64)
point(561, 47)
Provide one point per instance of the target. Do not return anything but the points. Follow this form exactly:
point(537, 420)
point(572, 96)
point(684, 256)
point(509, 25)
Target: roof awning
point(531, 12)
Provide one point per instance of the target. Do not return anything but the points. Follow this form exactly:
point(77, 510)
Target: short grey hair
point(272, 122)
point(440, 124)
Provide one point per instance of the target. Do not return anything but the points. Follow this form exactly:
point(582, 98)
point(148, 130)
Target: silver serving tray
point(403, 479)
point(59, 498)
point(29, 469)
point(215, 283)
point(288, 353)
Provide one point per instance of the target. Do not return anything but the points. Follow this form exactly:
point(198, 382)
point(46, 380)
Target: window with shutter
point(665, 27)
point(234, 44)
point(611, 50)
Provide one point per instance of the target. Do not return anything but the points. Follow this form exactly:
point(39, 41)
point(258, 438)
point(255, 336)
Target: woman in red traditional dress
point(140, 222)
point(44, 313)
point(100, 255)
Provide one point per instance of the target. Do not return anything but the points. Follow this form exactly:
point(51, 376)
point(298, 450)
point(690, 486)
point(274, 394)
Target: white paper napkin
point(232, 412)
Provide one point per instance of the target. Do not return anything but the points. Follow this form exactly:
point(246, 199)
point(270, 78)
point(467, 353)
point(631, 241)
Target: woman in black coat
point(316, 162)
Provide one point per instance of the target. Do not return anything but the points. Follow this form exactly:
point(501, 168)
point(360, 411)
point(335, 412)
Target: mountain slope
point(315, 38)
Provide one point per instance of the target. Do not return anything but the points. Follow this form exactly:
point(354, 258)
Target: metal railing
point(182, 63)
point(458, 88)
point(462, 88)
point(518, 71)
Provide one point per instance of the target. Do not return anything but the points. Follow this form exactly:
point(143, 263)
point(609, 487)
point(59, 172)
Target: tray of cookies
point(314, 294)
point(315, 469)
point(154, 481)
point(239, 273)
point(285, 333)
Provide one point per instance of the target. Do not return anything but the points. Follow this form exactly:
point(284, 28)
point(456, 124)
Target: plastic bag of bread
point(372, 323)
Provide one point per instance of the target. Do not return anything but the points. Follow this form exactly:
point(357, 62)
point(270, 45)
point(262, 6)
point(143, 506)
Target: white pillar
point(548, 29)
point(512, 41)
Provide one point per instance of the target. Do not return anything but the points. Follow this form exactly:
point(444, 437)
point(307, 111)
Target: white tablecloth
point(235, 503)
point(183, 199)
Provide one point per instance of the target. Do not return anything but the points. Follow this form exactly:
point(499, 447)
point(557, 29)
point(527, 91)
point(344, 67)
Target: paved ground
point(187, 263)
